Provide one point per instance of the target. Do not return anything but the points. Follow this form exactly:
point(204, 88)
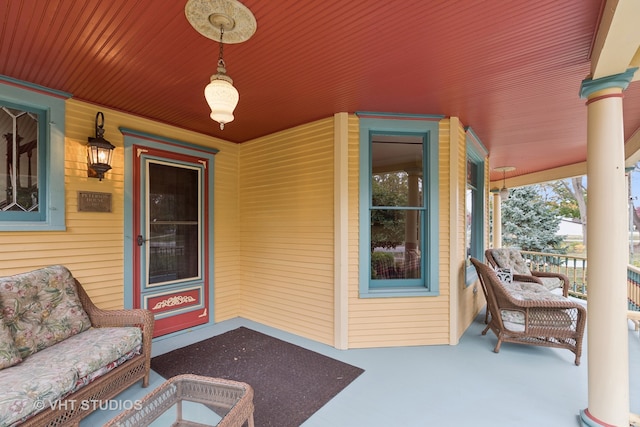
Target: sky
point(635, 187)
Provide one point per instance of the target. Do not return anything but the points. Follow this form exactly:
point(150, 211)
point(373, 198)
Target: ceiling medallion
point(208, 16)
point(223, 21)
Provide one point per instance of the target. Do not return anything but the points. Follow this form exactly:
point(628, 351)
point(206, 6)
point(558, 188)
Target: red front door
point(170, 227)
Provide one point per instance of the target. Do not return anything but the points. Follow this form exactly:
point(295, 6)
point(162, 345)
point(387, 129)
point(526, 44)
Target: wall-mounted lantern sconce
point(99, 151)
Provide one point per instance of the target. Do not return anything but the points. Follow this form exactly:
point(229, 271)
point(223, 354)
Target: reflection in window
point(397, 209)
point(19, 164)
point(174, 223)
point(471, 196)
point(474, 208)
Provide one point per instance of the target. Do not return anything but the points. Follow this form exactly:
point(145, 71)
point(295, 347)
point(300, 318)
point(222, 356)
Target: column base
point(588, 420)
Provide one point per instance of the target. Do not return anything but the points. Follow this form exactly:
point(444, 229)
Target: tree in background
point(531, 223)
point(569, 196)
point(388, 225)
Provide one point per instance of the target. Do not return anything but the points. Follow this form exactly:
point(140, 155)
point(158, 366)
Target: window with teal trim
point(474, 211)
point(31, 191)
point(398, 207)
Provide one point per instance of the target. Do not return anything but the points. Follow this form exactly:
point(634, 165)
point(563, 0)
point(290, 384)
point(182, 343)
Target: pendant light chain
point(220, 60)
point(208, 17)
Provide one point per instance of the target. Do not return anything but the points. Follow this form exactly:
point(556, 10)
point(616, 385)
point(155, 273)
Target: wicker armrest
point(526, 278)
point(112, 318)
point(563, 277)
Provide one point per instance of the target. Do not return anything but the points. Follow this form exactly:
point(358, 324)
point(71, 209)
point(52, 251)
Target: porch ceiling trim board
point(617, 40)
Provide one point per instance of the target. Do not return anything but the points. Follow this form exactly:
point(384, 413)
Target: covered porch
point(525, 386)
point(287, 185)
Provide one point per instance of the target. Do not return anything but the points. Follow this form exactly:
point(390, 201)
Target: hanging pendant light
point(220, 94)
point(504, 191)
point(215, 19)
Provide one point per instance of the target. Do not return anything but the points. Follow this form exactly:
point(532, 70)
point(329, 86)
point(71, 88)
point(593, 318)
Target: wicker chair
point(535, 316)
point(512, 258)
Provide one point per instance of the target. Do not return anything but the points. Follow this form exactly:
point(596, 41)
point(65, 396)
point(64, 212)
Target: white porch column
point(497, 220)
point(341, 231)
point(607, 256)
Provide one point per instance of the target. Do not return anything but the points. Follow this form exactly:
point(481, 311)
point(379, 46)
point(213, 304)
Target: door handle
point(140, 240)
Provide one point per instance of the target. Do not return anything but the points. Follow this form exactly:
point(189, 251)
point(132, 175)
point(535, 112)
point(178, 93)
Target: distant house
point(569, 227)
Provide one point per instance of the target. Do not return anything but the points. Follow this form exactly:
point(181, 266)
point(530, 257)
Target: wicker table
point(230, 400)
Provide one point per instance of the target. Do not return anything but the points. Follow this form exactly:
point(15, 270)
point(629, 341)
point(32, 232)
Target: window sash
point(18, 208)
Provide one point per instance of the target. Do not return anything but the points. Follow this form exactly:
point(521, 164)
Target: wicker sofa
point(529, 313)
point(61, 357)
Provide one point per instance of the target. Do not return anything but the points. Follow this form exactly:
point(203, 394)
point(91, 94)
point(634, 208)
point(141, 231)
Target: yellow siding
point(286, 240)
point(227, 291)
point(273, 233)
point(92, 244)
point(387, 322)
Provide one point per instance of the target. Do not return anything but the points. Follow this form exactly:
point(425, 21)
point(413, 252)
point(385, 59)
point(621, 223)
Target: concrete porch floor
point(466, 384)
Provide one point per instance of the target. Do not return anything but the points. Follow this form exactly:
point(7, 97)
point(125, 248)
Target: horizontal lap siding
point(387, 322)
point(286, 239)
point(227, 292)
point(93, 243)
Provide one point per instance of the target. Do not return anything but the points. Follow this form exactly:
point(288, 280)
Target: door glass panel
point(173, 223)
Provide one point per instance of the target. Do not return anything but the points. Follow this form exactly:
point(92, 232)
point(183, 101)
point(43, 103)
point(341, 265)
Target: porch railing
point(575, 267)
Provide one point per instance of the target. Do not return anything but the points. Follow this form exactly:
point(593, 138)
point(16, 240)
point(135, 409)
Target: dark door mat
point(290, 383)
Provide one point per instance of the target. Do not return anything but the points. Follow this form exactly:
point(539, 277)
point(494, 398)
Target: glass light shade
point(100, 155)
point(504, 193)
point(222, 98)
point(99, 151)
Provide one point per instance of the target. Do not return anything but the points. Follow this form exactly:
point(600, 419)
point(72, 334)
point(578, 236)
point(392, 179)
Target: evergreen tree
point(530, 223)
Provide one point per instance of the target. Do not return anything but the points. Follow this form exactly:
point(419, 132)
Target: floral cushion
point(529, 291)
point(514, 320)
point(41, 308)
point(551, 283)
point(9, 354)
point(511, 258)
point(57, 371)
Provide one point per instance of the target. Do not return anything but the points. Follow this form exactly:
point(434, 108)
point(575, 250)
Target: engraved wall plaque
point(91, 201)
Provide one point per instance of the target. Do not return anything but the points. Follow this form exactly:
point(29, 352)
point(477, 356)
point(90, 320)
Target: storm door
point(170, 239)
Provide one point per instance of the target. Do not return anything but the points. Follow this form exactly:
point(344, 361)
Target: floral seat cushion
point(514, 320)
point(41, 308)
point(9, 354)
point(551, 283)
point(511, 258)
point(55, 372)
